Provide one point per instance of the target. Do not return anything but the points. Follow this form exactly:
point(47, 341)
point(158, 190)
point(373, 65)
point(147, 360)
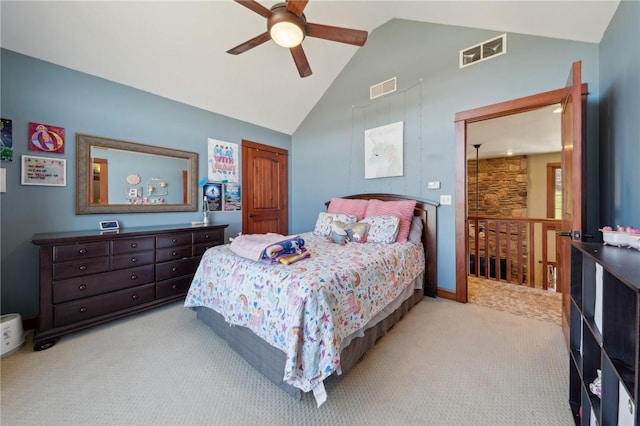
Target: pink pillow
point(347, 206)
point(401, 209)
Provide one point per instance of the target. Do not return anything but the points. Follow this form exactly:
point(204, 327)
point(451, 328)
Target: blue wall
point(620, 118)
point(33, 90)
point(431, 89)
point(326, 151)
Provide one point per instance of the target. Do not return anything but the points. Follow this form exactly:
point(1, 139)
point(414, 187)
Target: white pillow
point(323, 224)
point(383, 229)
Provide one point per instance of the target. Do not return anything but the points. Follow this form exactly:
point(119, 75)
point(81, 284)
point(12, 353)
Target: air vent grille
point(383, 88)
point(480, 52)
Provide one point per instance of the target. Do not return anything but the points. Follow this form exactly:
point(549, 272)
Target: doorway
point(462, 120)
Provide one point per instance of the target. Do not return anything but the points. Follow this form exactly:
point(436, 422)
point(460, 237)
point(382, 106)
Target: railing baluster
point(508, 249)
point(532, 255)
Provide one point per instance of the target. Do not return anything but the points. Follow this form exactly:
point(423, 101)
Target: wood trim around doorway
point(462, 119)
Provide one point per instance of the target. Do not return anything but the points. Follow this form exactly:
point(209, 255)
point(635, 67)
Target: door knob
point(563, 234)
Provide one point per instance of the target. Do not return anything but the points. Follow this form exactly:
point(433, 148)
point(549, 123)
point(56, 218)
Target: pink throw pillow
point(402, 209)
point(347, 206)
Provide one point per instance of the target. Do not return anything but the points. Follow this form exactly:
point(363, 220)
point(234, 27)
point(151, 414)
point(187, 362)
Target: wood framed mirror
point(115, 176)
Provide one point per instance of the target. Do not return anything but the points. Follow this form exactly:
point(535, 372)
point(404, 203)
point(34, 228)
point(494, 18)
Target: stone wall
point(503, 187)
point(502, 193)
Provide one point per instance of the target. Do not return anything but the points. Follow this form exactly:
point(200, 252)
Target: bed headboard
point(427, 211)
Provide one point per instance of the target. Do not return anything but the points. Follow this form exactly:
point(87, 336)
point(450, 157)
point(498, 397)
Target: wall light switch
point(445, 200)
point(433, 185)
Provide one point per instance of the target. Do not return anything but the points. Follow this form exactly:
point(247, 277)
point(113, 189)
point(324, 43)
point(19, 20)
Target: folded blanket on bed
point(291, 246)
point(288, 259)
point(265, 246)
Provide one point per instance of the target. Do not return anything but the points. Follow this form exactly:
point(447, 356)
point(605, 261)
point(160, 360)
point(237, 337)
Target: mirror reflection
point(125, 177)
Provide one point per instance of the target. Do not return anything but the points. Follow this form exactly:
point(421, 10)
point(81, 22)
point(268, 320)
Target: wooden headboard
point(427, 211)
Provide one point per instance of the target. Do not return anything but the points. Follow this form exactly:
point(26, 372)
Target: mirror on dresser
point(115, 176)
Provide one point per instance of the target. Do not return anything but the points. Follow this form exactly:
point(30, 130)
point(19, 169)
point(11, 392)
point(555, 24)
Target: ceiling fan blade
point(296, 6)
point(301, 61)
point(250, 44)
point(256, 7)
point(339, 34)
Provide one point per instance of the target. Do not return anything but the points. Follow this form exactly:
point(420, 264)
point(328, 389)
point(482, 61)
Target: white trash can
point(12, 334)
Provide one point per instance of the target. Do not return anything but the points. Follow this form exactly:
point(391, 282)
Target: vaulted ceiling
point(178, 49)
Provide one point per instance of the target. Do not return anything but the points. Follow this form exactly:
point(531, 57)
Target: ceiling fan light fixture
point(285, 28)
point(286, 34)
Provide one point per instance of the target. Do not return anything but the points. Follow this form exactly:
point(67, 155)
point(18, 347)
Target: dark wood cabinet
point(604, 334)
point(90, 277)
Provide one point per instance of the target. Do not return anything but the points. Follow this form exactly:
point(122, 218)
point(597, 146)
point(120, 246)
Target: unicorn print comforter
point(306, 308)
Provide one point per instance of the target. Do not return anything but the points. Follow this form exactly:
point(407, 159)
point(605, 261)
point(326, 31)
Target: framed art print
point(46, 138)
point(43, 171)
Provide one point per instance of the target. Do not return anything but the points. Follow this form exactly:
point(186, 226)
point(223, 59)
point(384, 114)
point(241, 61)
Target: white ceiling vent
point(383, 88)
point(480, 52)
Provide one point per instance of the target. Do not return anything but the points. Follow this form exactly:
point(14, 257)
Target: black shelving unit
point(604, 334)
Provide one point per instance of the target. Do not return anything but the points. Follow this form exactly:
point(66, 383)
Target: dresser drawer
point(176, 268)
point(213, 236)
point(81, 267)
point(80, 251)
point(133, 244)
point(175, 287)
point(77, 288)
point(68, 313)
point(130, 260)
point(164, 255)
point(173, 240)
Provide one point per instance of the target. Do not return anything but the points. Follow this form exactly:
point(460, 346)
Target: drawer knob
point(174, 286)
point(173, 253)
point(134, 245)
point(173, 240)
point(134, 260)
point(134, 277)
point(206, 237)
point(83, 309)
point(82, 251)
point(174, 269)
point(134, 297)
point(82, 267)
point(82, 287)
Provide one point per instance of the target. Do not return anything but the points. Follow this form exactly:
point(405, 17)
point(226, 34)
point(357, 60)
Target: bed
point(301, 322)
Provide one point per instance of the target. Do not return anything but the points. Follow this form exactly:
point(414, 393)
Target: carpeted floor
point(444, 363)
point(530, 302)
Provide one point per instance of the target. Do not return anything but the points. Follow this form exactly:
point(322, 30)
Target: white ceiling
point(528, 133)
point(178, 49)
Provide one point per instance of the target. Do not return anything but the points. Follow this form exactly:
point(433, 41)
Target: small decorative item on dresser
point(106, 225)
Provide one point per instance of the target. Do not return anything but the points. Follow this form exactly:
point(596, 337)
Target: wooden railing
point(504, 248)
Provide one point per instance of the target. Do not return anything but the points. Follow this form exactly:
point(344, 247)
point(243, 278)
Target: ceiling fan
point(287, 26)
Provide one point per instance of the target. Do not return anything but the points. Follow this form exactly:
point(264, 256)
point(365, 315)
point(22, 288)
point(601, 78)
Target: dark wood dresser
point(90, 277)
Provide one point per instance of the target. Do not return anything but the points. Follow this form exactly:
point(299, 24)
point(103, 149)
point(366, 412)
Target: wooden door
point(572, 224)
point(265, 189)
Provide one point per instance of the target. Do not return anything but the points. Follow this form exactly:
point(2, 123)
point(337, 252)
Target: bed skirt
point(270, 360)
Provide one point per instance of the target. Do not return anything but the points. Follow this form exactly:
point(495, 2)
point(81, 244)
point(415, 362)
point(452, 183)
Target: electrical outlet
point(445, 200)
point(433, 185)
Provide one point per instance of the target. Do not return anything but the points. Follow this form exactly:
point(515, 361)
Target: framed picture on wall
point(43, 171)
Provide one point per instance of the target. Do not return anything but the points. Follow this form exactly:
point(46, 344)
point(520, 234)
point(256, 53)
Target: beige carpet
point(521, 300)
point(445, 363)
